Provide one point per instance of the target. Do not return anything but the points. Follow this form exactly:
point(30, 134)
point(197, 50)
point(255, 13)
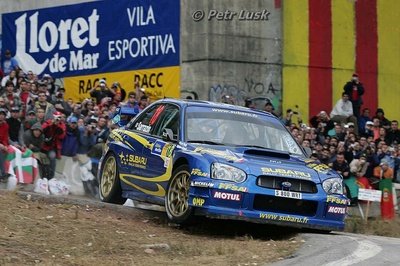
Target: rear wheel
point(110, 187)
point(177, 198)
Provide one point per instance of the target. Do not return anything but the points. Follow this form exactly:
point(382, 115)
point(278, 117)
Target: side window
point(168, 119)
point(147, 120)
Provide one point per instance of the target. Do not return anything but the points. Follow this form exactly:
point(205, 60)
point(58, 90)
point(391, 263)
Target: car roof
point(201, 103)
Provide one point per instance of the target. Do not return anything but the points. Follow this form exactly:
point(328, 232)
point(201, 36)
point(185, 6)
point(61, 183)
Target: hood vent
point(267, 153)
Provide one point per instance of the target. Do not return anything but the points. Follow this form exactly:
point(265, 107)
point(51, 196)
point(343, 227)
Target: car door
point(150, 177)
point(132, 161)
point(159, 151)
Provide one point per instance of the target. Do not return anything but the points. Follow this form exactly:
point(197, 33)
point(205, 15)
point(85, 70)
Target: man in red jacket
point(54, 133)
point(3, 141)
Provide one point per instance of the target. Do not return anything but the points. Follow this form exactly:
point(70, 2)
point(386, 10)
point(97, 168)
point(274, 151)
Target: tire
point(110, 187)
point(177, 196)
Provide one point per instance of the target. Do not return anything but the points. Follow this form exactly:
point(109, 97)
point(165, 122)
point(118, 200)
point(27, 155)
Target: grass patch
point(374, 226)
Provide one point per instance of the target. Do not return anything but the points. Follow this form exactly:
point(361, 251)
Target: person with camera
point(87, 139)
point(59, 103)
point(355, 89)
point(54, 133)
point(323, 124)
point(101, 91)
point(287, 120)
point(116, 86)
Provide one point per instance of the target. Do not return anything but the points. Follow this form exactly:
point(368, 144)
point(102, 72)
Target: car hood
point(256, 161)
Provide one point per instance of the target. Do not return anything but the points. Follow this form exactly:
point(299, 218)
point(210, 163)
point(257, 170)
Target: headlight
point(227, 172)
point(333, 185)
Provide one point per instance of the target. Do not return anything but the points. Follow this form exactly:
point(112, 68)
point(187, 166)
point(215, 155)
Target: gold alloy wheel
point(108, 176)
point(178, 194)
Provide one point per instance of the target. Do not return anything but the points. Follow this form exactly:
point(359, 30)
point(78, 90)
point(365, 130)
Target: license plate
point(288, 194)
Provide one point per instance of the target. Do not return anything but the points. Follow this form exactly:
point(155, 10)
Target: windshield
point(237, 128)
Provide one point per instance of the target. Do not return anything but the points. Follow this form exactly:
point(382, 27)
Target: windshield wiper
point(205, 142)
point(253, 146)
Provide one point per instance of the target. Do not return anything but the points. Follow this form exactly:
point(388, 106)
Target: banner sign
point(369, 194)
point(95, 37)
point(157, 82)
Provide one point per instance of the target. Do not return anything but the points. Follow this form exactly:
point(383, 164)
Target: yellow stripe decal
point(159, 192)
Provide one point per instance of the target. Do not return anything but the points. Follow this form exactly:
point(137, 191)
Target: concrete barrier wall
point(233, 57)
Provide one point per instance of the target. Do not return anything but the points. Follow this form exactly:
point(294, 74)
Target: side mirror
point(168, 135)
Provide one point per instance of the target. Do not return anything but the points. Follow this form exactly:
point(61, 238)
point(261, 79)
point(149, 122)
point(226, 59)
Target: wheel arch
point(112, 152)
point(180, 161)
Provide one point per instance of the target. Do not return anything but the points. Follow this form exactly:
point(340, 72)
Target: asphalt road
point(345, 249)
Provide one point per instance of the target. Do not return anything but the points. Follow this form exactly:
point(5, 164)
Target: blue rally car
point(218, 160)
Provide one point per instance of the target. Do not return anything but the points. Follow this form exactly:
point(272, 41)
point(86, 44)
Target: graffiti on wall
point(250, 88)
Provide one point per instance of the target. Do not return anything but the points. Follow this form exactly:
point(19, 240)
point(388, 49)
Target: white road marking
point(365, 250)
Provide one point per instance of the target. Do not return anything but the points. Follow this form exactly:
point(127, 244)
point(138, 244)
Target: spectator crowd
point(363, 146)
point(35, 117)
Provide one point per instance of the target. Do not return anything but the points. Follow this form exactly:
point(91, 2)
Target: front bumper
point(260, 205)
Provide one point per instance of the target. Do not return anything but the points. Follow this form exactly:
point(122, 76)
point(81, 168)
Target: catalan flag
point(326, 41)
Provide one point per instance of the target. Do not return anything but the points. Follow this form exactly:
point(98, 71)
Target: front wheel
point(177, 198)
point(110, 187)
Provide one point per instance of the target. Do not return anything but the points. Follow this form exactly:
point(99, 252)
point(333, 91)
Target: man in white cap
point(368, 129)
